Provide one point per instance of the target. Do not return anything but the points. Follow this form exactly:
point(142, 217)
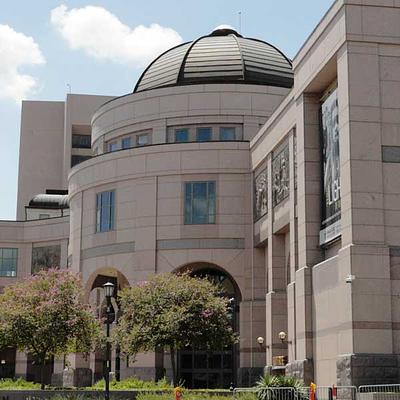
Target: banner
point(330, 224)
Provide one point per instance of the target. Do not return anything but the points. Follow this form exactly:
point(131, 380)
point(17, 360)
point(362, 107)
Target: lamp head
point(108, 289)
point(282, 335)
point(260, 340)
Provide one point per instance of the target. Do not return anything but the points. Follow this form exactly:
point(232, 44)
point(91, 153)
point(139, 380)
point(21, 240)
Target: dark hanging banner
point(330, 225)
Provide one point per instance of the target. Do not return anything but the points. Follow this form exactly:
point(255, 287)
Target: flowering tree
point(173, 311)
point(45, 316)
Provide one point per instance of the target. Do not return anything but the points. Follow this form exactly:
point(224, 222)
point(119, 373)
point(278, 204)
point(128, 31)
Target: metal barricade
point(323, 393)
point(344, 393)
point(379, 392)
point(302, 393)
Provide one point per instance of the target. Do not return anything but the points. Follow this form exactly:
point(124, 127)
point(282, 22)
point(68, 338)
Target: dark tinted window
point(81, 141)
point(181, 135)
point(78, 159)
point(204, 134)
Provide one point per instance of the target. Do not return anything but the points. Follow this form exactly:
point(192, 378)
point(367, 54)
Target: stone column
point(80, 364)
point(365, 187)
point(20, 364)
point(309, 219)
point(276, 303)
point(291, 287)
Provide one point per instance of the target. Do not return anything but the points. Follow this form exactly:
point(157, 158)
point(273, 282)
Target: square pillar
point(20, 364)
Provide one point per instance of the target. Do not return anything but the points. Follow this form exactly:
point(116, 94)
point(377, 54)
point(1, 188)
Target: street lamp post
point(108, 291)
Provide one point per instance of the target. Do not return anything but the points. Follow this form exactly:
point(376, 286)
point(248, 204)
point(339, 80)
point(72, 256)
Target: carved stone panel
point(45, 257)
point(260, 194)
point(280, 176)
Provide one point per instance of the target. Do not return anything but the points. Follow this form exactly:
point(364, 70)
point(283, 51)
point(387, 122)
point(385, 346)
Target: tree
point(45, 316)
point(173, 311)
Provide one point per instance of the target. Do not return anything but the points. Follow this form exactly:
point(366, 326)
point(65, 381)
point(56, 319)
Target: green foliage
point(266, 384)
point(45, 316)
point(17, 384)
point(246, 396)
point(134, 383)
point(74, 396)
point(173, 311)
point(206, 395)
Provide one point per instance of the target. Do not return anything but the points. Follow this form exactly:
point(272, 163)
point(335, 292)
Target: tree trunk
point(174, 377)
point(42, 366)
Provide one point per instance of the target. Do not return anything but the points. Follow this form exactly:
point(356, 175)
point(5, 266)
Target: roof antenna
point(240, 21)
point(69, 87)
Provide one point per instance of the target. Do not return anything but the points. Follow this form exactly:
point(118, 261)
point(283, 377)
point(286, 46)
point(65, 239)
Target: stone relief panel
point(260, 195)
point(280, 176)
point(45, 257)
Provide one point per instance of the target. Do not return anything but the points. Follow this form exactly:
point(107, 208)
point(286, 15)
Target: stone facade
point(306, 220)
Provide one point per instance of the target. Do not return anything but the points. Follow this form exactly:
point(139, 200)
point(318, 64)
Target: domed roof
point(224, 56)
point(57, 201)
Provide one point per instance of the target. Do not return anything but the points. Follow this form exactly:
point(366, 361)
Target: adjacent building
point(278, 178)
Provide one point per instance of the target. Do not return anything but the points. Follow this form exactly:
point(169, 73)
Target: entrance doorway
point(199, 368)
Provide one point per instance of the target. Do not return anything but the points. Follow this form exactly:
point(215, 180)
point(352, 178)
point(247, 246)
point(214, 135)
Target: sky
point(49, 47)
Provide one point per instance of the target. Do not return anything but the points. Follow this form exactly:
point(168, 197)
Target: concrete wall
point(356, 44)
point(79, 109)
point(150, 235)
point(158, 110)
point(25, 235)
point(41, 150)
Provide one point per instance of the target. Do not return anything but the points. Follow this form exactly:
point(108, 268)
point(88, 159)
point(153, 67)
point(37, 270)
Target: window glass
point(204, 134)
point(113, 146)
point(8, 262)
point(142, 140)
point(126, 143)
point(181, 135)
point(81, 141)
point(227, 133)
point(75, 159)
point(105, 211)
point(45, 257)
point(200, 203)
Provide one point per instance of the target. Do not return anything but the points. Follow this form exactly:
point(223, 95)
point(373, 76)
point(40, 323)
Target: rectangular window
point(81, 141)
point(142, 140)
point(126, 143)
point(199, 203)
point(8, 262)
point(227, 133)
point(181, 135)
point(113, 146)
point(75, 159)
point(204, 134)
point(105, 211)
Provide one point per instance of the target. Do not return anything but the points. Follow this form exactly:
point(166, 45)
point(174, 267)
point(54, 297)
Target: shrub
point(186, 396)
point(245, 396)
point(133, 383)
point(266, 384)
point(17, 384)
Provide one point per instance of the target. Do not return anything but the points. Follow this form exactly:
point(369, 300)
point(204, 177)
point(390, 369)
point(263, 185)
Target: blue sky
point(46, 53)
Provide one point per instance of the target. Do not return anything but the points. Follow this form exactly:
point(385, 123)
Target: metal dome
point(56, 201)
point(224, 56)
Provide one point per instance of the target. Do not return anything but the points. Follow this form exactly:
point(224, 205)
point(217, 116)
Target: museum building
point(277, 178)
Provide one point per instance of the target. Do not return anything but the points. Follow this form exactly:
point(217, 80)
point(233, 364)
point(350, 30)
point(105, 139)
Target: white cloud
point(17, 50)
point(102, 35)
